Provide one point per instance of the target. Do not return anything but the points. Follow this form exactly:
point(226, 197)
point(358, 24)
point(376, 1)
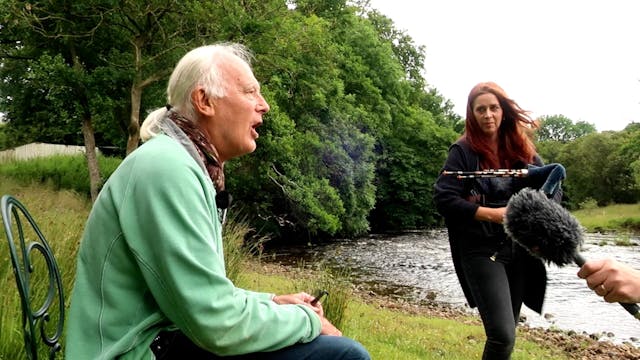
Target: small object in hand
point(319, 295)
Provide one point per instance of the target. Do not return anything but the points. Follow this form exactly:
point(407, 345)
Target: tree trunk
point(134, 119)
point(92, 158)
point(87, 129)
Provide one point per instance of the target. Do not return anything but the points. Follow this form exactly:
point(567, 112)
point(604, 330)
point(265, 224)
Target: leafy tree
point(598, 168)
point(412, 159)
point(82, 56)
point(630, 151)
point(55, 40)
point(550, 150)
point(317, 179)
point(561, 128)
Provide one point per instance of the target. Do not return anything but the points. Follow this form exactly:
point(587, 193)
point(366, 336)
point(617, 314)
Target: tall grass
point(60, 216)
point(336, 283)
point(59, 171)
point(239, 243)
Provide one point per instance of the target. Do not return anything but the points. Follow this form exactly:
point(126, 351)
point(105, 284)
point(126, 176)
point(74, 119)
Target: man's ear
point(202, 104)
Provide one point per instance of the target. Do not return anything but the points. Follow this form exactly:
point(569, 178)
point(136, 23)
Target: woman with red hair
point(496, 274)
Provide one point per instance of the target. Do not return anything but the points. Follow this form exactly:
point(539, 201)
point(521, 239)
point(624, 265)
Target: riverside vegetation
point(389, 329)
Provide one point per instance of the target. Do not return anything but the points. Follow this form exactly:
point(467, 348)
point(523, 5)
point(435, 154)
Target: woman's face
point(488, 114)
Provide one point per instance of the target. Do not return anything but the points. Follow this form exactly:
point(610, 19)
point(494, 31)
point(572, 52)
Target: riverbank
point(571, 345)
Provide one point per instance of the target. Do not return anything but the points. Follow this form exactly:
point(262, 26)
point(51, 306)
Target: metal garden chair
point(36, 320)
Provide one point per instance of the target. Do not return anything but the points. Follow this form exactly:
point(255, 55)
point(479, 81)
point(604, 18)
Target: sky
point(577, 58)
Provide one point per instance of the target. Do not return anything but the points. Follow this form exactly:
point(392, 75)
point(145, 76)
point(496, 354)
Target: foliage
point(598, 168)
point(337, 283)
point(4, 138)
point(549, 150)
point(413, 157)
point(336, 90)
point(355, 137)
point(561, 128)
point(588, 203)
point(630, 150)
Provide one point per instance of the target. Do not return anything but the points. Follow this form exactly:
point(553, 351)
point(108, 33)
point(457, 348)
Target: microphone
point(548, 231)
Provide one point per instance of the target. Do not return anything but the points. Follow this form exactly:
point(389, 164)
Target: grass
point(388, 333)
point(60, 216)
point(613, 218)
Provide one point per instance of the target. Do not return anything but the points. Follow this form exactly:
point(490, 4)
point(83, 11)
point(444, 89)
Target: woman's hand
point(495, 215)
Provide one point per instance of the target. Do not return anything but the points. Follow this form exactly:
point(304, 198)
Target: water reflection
point(418, 266)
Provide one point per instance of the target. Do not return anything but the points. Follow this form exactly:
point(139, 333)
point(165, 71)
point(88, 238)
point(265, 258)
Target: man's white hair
point(199, 67)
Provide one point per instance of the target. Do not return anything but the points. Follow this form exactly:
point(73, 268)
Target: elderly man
point(150, 279)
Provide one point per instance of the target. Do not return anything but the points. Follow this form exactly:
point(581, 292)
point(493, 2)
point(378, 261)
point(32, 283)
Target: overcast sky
point(577, 58)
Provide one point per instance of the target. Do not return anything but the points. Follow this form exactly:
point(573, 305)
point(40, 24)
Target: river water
point(417, 265)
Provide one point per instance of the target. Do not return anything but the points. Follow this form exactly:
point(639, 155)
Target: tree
point(66, 30)
point(598, 168)
point(157, 33)
point(102, 46)
point(561, 128)
point(353, 125)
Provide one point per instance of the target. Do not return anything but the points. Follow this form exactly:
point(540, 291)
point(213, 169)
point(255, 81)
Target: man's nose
point(263, 106)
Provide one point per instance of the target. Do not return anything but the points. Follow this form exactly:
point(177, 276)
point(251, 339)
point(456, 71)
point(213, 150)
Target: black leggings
point(497, 288)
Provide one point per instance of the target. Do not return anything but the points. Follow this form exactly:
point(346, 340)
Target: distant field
point(612, 218)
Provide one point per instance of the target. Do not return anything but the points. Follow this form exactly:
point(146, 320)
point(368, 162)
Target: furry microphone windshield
point(548, 231)
point(543, 227)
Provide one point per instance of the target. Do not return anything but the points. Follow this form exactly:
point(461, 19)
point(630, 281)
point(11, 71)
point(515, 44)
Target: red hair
point(514, 145)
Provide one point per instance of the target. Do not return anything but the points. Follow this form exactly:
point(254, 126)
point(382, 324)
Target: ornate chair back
point(36, 318)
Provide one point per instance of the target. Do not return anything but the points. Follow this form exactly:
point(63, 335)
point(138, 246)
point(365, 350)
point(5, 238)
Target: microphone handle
point(631, 308)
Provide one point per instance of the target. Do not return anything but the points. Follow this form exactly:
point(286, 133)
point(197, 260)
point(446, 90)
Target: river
point(417, 266)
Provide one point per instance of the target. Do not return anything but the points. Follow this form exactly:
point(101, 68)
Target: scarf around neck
point(206, 151)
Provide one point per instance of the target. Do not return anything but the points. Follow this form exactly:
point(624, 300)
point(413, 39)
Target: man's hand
point(613, 280)
point(303, 298)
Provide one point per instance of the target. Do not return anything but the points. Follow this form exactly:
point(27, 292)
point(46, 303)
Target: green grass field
point(619, 218)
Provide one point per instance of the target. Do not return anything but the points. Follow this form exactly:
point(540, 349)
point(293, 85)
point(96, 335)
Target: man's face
point(232, 128)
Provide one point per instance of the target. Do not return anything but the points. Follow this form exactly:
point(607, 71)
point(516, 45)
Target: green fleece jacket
point(151, 259)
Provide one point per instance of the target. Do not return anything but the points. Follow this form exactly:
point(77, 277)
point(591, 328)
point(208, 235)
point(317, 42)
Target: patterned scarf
point(206, 150)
